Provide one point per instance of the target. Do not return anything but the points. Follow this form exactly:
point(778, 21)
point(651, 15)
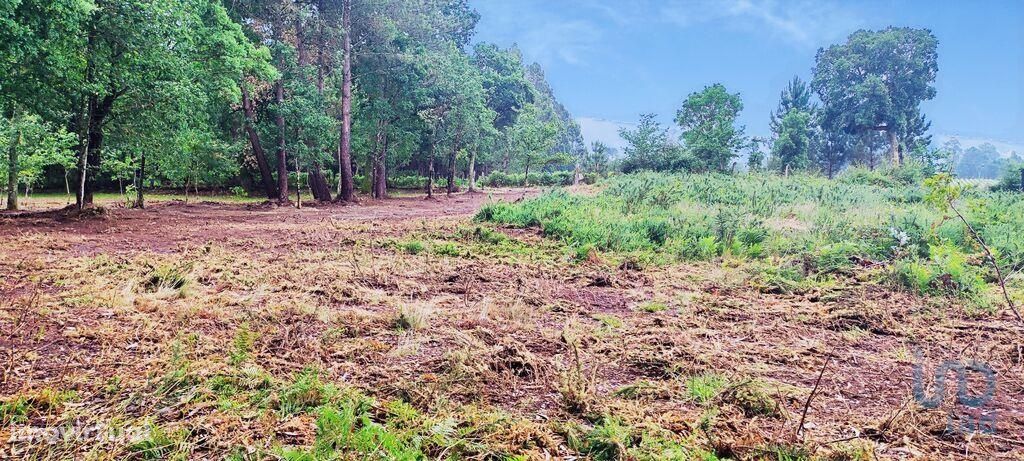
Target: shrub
point(305, 392)
point(823, 225)
point(413, 247)
point(414, 317)
point(501, 179)
point(703, 388)
point(1009, 181)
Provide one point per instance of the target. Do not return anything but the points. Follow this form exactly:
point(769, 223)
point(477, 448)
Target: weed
point(241, 346)
point(577, 387)
point(825, 226)
point(305, 392)
point(785, 453)
point(482, 234)
point(413, 317)
point(703, 388)
point(609, 440)
point(18, 408)
point(161, 444)
point(609, 321)
point(413, 247)
point(653, 306)
point(751, 398)
point(168, 280)
point(446, 249)
point(642, 390)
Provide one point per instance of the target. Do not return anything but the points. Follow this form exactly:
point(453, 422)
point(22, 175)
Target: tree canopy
point(708, 120)
point(876, 81)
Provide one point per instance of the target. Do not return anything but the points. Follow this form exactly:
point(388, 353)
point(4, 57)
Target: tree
point(570, 138)
point(756, 156)
point(876, 81)
point(796, 95)
point(31, 145)
point(934, 160)
point(650, 148)
point(981, 161)
point(533, 138)
point(126, 54)
point(831, 149)
point(194, 93)
point(956, 151)
point(791, 147)
point(504, 82)
point(708, 121)
point(346, 187)
point(599, 158)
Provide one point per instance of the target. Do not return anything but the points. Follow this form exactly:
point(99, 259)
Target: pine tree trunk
point(317, 183)
point(298, 184)
point(269, 188)
point(140, 200)
point(378, 172)
point(380, 178)
point(12, 171)
point(430, 174)
point(282, 153)
point(345, 185)
point(452, 159)
point(82, 122)
point(472, 171)
point(894, 148)
point(1022, 179)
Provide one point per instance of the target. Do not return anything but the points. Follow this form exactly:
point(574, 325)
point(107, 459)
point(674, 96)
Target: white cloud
point(805, 23)
point(569, 41)
point(605, 131)
point(539, 31)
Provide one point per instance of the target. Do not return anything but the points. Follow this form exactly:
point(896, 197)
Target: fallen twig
point(988, 253)
point(817, 382)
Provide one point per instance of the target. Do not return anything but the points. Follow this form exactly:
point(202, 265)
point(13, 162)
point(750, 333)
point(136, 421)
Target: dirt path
point(164, 227)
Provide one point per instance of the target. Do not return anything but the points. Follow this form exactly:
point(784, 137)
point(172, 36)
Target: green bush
point(1009, 181)
point(823, 226)
point(501, 179)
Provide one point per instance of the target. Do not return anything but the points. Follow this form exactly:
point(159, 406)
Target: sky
point(611, 60)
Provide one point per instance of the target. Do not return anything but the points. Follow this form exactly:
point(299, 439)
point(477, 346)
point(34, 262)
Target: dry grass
point(215, 332)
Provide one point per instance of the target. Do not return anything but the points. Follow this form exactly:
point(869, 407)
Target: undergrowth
point(808, 227)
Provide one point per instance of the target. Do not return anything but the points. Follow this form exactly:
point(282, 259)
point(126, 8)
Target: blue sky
point(610, 60)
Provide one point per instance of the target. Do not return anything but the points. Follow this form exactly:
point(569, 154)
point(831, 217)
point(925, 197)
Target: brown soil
point(322, 286)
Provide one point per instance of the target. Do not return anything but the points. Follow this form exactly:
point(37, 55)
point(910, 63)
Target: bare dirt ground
point(130, 316)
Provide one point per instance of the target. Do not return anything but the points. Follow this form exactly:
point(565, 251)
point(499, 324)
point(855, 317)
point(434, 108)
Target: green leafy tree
point(982, 161)
point(504, 80)
point(792, 146)
point(708, 120)
point(755, 155)
point(650, 148)
point(31, 145)
point(533, 138)
point(831, 149)
point(876, 81)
